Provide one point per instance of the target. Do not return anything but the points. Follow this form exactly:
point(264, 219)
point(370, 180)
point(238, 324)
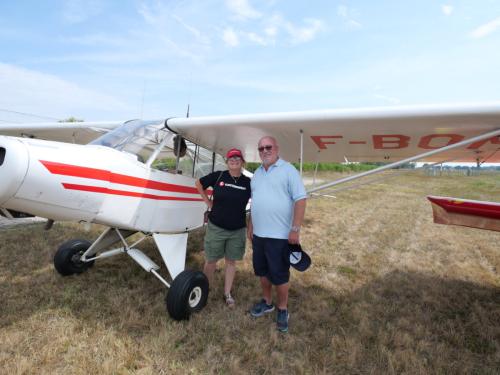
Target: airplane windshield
point(136, 137)
point(142, 138)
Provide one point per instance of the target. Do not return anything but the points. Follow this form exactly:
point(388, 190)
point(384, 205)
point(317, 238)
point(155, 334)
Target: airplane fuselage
point(69, 182)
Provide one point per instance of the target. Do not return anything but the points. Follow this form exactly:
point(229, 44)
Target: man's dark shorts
point(271, 259)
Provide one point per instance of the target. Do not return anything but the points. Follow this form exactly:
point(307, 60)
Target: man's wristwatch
point(295, 229)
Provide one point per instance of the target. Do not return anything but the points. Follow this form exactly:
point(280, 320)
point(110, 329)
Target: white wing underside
point(369, 134)
point(71, 132)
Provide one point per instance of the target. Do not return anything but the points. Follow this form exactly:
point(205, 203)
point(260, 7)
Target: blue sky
point(118, 60)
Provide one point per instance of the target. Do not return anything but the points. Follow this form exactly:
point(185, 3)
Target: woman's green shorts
point(222, 243)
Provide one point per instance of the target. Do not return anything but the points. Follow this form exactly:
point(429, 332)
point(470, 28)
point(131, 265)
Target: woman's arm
point(203, 194)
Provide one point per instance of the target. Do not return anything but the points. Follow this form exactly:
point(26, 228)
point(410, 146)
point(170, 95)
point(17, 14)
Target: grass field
point(388, 292)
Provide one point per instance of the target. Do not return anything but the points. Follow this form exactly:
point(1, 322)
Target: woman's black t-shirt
point(231, 195)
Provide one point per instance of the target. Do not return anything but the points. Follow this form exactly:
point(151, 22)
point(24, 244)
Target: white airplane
point(139, 176)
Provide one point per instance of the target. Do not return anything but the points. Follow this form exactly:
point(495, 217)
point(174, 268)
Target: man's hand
point(250, 228)
point(250, 233)
point(293, 238)
point(299, 210)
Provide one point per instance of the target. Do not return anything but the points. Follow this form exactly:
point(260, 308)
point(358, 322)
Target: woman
point(226, 229)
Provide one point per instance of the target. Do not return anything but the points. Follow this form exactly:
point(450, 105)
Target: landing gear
point(67, 260)
point(187, 294)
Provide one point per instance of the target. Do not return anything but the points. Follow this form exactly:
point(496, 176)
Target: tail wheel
point(67, 258)
point(188, 294)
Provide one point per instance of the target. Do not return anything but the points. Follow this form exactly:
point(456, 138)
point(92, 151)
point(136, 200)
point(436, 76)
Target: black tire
point(67, 258)
point(188, 294)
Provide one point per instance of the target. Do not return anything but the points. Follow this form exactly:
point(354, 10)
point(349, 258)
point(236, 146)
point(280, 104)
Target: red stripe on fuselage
point(101, 174)
point(103, 190)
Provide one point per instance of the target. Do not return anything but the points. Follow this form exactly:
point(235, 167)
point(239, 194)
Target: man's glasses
point(267, 148)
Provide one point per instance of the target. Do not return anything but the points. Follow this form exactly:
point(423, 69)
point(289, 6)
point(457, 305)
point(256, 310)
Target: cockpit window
point(136, 137)
point(204, 162)
point(142, 138)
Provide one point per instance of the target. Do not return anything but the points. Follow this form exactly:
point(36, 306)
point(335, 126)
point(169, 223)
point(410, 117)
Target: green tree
point(71, 119)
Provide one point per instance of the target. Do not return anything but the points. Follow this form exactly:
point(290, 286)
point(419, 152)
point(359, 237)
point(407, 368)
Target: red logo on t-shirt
point(221, 183)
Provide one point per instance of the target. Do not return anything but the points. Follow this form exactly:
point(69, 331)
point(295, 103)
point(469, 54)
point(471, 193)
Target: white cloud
point(276, 24)
point(77, 11)
point(306, 33)
point(255, 38)
point(388, 99)
point(271, 31)
point(97, 40)
point(162, 32)
point(191, 42)
point(486, 29)
point(447, 9)
point(342, 11)
point(41, 93)
point(111, 57)
point(230, 37)
point(194, 31)
point(242, 9)
point(346, 14)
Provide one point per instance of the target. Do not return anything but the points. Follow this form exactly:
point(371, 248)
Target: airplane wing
point(71, 132)
point(370, 134)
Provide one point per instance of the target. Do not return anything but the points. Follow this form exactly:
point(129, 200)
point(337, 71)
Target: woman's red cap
point(234, 152)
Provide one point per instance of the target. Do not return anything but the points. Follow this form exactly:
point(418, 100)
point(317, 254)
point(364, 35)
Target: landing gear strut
point(188, 292)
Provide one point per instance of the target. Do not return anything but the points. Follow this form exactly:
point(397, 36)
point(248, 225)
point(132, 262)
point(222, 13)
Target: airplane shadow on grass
point(403, 321)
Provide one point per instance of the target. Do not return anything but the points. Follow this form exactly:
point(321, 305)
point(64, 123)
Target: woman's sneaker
point(282, 320)
point(261, 308)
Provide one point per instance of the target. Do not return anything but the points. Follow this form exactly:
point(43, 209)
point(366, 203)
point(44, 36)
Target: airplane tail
point(469, 213)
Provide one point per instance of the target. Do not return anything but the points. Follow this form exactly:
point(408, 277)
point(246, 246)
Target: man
point(278, 207)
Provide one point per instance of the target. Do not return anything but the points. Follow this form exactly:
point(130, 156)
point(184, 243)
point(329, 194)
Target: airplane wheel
point(188, 294)
point(67, 259)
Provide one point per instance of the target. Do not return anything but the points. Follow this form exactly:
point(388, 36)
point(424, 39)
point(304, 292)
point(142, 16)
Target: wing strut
point(407, 160)
point(301, 150)
point(488, 157)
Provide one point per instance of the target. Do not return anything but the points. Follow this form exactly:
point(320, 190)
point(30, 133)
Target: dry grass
point(388, 292)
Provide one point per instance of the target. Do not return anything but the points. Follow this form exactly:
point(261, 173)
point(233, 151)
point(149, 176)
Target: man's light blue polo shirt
point(274, 193)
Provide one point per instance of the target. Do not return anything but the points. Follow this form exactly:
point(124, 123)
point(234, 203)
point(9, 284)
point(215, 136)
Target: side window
point(167, 160)
point(186, 156)
point(220, 163)
point(165, 163)
point(193, 161)
point(205, 163)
